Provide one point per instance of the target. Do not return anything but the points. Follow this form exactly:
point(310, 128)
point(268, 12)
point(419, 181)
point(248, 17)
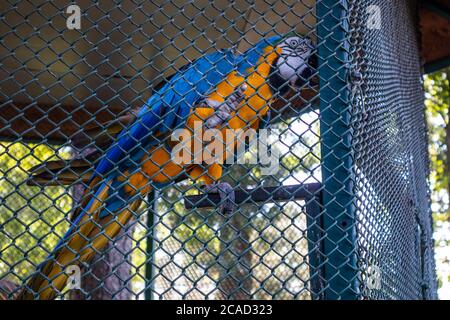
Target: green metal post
point(148, 290)
point(339, 269)
point(315, 244)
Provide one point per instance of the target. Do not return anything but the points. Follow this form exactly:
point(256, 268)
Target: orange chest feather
point(258, 95)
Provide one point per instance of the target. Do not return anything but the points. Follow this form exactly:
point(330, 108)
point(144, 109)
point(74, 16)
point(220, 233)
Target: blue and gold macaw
point(222, 90)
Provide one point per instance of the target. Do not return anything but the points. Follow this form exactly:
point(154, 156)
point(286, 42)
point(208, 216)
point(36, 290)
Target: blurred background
point(437, 110)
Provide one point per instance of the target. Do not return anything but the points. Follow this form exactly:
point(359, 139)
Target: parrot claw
point(227, 197)
point(223, 110)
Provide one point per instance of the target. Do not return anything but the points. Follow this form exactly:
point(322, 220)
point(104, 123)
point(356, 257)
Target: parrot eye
point(293, 43)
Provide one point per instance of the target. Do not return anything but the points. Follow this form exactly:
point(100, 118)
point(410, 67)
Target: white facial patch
point(290, 67)
point(293, 58)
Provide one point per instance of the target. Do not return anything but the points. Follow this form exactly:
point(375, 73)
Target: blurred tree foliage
point(32, 219)
point(437, 103)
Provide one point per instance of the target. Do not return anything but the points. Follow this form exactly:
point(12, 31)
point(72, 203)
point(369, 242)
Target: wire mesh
point(345, 215)
point(391, 163)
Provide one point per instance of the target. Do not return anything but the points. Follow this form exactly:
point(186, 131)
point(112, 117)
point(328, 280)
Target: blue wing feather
point(169, 107)
point(165, 110)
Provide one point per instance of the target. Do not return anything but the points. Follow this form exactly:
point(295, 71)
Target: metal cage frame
point(347, 85)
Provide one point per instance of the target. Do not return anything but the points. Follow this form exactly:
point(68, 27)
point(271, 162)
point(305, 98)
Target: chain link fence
point(345, 215)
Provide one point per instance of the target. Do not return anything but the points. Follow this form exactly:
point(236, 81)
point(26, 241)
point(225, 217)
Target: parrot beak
point(295, 66)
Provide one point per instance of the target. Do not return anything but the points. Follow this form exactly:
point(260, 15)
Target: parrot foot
point(227, 196)
point(223, 110)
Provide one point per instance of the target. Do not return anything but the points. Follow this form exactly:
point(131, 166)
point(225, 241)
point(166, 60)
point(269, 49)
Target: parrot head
point(292, 69)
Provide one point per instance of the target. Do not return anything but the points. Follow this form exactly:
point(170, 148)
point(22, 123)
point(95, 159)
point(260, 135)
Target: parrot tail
point(63, 172)
point(99, 219)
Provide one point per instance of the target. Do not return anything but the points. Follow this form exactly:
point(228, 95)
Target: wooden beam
point(438, 8)
point(437, 65)
point(60, 122)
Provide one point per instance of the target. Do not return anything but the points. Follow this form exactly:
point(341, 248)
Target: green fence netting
point(343, 214)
